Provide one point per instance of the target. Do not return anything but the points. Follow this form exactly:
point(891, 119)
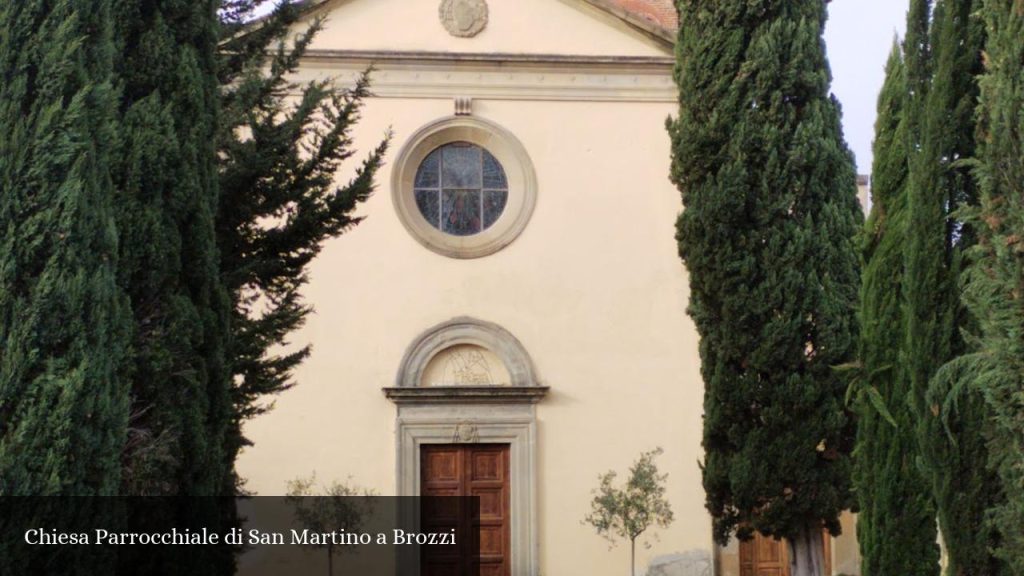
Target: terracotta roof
point(660, 12)
point(655, 17)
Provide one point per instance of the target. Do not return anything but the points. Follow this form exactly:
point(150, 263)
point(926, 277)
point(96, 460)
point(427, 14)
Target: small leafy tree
point(629, 511)
point(329, 509)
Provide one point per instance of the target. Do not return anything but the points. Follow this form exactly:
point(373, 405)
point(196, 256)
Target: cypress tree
point(767, 235)
point(63, 320)
point(995, 297)
point(887, 476)
point(950, 420)
point(167, 179)
point(994, 282)
point(278, 163)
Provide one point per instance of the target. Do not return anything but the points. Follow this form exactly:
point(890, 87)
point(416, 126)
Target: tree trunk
point(807, 553)
point(632, 556)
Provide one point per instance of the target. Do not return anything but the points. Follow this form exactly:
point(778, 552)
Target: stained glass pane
point(461, 166)
point(429, 173)
point(494, 205)
point(460, 212)
point(461, 189)
point(427, 201)
point(494, 176)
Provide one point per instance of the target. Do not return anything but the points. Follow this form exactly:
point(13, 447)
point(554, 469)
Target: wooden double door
point(766, 556)
point(480, 470)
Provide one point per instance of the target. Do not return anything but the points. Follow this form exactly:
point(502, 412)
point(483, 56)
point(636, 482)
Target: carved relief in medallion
point(463, 18)
point(468, 368)
point(465, 433)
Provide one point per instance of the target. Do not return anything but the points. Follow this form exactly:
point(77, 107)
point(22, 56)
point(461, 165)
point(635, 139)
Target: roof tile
point(660, 12)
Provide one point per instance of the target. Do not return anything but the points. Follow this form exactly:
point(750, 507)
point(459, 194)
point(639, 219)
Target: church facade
point(509, 320)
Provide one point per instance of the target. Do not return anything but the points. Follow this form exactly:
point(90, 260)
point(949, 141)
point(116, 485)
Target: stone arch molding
point(460, 331)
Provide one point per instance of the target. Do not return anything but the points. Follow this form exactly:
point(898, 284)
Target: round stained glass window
point(461, 189)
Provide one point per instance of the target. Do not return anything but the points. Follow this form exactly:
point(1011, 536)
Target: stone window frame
point(473, 414)
point(500, 143)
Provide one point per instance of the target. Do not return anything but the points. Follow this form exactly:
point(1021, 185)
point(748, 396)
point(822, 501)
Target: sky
point(859, 37)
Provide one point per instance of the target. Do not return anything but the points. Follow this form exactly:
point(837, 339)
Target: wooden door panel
point(441, 466)
point(746, 554)
point(441, 510)
point(765, 556)
point(440, 568)
point(491, 541)
point(480, 470)
point(487, 465)
point(769, 550)
point(492, 503)
point(489, 570)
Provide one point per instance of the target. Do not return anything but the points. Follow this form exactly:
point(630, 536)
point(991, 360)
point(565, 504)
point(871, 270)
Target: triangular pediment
point(560, 27)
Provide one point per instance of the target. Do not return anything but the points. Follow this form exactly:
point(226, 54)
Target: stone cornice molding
point(466, 394)
point(499, 76)
point(660, 63)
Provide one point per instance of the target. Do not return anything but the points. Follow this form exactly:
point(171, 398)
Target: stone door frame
point(474, 414)
point(497, 424)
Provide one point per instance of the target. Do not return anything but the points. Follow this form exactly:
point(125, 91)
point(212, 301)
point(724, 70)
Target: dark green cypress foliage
point(167, 177)
point(63, 320)
point(996, 296)
point(278, 164)
point(994, 282)
point(917, 53)
point(952, 442)
point(887, 476)
point(767, 235)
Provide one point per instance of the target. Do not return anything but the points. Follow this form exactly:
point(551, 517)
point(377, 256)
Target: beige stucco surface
point(514, 26)
point(593, 288)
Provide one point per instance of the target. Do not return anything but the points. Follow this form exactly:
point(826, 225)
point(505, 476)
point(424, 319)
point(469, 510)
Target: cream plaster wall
point(845, 552)
point(592, 288)
point(414, 25)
